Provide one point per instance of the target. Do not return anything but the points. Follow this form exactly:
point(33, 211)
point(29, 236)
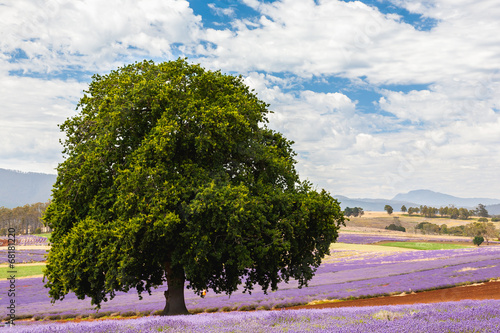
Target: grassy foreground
point(46, 234)
point(22, 270)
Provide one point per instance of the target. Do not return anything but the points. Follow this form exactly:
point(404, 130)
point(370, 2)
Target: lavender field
point(345, 274)
point(359, 238)
point(464, 316)
point(24, 256)
point(29, 240)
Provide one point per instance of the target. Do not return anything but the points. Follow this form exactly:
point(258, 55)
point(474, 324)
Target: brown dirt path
point(488, 290)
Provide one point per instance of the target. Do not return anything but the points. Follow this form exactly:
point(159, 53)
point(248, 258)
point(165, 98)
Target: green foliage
point(484, 229)
point(432, 228)
point(404, 209)
point(170, 173)
point(24, 219)
point(429, 228)
point(481, 211)
point(356, 211)
point(388, 209)
point(495, 219)
point(482, 219)
point(478, 240)
point(451, 211)
point(457, 230)
point(428, 211)
point(422, 224)
point(413, 210)
point(392, 226)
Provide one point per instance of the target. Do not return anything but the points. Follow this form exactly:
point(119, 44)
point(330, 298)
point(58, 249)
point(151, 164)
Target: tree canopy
point(356, 211)
point(171, 174)
point(481, 211)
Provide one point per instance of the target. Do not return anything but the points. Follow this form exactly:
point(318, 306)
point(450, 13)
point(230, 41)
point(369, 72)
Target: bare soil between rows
point(488, 290)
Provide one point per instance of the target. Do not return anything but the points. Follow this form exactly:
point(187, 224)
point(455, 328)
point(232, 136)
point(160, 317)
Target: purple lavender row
point(24, 256)
point(324, 289)
point(25, 240)
point(370, 239)
point(464, 316)
point(395, 274)
point(420, 260)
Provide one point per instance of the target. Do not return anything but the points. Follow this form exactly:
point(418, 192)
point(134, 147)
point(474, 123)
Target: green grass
point(46, 235)
point(424, 245)
point(21, 270)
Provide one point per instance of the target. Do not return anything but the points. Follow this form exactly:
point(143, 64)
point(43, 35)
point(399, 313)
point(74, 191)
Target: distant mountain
point(493, 209)
point(19, 188)
point(418, 198)
point(436, 199)
point(372, 204)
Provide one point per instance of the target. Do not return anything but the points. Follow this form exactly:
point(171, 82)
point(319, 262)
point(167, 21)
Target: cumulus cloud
point(31, 110)
point(353, 40)
point(94, 35)
point(442, 134)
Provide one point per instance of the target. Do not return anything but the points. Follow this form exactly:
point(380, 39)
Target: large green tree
point(170, 174)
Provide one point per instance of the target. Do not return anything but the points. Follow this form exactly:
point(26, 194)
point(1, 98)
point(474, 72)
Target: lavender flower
point(464, 316)
point(362, 275)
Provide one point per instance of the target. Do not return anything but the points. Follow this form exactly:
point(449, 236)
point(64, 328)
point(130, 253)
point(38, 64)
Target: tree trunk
point(174, 296)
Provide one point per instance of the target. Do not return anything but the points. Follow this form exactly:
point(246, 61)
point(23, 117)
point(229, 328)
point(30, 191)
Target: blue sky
point(380, 96)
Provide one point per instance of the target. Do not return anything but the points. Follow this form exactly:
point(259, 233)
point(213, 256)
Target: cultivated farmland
point(465, 316)
point(358, 267)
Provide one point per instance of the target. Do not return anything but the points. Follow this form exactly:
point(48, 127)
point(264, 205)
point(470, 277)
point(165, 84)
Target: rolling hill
point(436, 199)
point(20, 188)
point(420, 197)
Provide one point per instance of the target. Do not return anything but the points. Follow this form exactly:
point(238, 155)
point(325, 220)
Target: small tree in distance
point(481, 211)
point(403, 209)
point(478, 240)
point(170, 175)
point(388, 209)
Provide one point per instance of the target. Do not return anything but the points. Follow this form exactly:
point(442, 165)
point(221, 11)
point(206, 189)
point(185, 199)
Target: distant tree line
point(483, 229)
point(25, 219)
point(356, 211)
point(448, 211)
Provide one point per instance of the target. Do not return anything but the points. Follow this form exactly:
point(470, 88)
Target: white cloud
point(443, 136)
point(447, 101)
point(95, 35)
point(221, 11)
point(31, 109)
point(339, 146)
point(354, 40)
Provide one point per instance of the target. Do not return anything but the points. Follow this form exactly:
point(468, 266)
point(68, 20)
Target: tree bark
point(174, 296)
point(167, 303)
